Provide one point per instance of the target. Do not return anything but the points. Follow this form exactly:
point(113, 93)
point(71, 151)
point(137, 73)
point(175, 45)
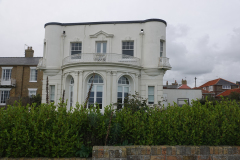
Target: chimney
point(167, 83)
point(184, 81)
point(29, 52)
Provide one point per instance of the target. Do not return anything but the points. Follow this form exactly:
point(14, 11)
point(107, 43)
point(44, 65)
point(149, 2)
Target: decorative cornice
point(106, 22)
point(101, 32)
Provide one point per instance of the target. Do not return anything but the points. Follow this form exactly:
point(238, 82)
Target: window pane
point(99, 100)
point(125, 95)
point(126, 89)
point(104, 47)
point(99, 88)
point(52, 93)
point(91, 94)
point(98, 47)
point(91, 100)
point(120, 89)
point(128, 52)
point(120, 94)
point(99, 94)
point(150, 90)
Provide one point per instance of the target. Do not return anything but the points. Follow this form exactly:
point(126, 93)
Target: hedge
point(52, 131)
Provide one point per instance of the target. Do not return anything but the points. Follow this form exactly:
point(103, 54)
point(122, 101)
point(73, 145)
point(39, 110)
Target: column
point(136, 83)
point(109, 88)
point(80, 87)
point(75, 88)
point(114, 87)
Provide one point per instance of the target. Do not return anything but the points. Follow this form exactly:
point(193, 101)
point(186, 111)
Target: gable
point(224, 82)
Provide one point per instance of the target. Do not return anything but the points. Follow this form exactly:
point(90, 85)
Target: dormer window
point(226, 87)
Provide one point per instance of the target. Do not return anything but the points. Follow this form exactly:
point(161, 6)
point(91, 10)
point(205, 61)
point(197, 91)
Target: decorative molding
point(101, 32)
point(114, 73)
point(128, 38)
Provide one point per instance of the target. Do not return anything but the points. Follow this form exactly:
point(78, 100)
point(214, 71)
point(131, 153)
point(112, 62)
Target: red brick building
point(218, 86)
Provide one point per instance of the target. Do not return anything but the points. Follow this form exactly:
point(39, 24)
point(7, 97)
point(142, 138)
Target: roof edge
point(106, 22)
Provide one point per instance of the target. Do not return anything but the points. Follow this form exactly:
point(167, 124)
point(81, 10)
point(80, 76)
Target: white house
point(119, 57)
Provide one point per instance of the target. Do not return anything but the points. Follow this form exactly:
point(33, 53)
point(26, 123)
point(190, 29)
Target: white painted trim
point(32, 89)
point(7, 67)
point(33, 67)
point(5, 89)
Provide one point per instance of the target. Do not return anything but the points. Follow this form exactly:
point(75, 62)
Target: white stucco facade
point(179, 95)
point(135, 50)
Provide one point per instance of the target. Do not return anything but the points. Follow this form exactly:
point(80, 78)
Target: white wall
point(173, 94)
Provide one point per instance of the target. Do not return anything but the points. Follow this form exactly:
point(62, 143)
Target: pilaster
point(114, 86)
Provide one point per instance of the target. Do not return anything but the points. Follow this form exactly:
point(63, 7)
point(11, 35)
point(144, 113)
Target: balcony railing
point(101, 57)
point(10, 82)
point(41, 63)
point(164, 63)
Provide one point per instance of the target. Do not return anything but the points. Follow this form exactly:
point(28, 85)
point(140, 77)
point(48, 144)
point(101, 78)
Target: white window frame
point(36, 72)
point(226, 86)
point(52, 93)
point(124, 86)
point(79, 48)
point(128, 48)
point(4, 89)
point(32, 89)
point(210, 88)
point(95, 85)
point(4, 68)
point(154, 88)
point(71, 89)
point(101, 45)
point(55, 91)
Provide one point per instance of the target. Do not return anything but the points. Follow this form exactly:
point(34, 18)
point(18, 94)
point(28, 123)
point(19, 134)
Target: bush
point(52, 131)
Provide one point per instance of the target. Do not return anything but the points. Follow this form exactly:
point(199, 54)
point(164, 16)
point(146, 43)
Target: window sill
point(32, 81)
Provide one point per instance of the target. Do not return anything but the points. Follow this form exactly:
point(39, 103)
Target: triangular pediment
point(103, 33)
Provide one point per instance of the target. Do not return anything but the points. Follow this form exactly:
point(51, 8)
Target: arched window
point(71, 92)
point(96, 93)
point(123, 90)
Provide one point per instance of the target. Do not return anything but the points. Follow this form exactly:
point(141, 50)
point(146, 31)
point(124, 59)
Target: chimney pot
point(29, 52)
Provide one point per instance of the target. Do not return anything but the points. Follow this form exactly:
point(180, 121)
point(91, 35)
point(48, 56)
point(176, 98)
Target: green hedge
point(50, 131)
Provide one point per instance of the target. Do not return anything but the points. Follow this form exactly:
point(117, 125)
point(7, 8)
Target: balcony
point(8, 83)
point(164, 63)
point(102, 58)
point(41, 63)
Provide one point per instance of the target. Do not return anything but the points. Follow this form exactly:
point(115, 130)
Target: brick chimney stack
point(184, 81)
point(29, 52)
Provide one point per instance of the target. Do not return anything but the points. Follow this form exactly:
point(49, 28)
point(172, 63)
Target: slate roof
point(14, 61)
point(227, 92)
point(218, 81)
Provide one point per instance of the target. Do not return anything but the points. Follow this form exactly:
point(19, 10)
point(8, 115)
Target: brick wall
point(22, 76)
point(156, 153)
point(166, 153)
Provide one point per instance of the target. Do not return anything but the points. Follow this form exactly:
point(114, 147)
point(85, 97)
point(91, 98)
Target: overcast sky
point(203, 36)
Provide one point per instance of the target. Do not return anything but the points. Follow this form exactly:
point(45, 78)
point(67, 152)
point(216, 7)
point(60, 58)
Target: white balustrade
point(164, 63)
point(41, 63)
point(101, 57)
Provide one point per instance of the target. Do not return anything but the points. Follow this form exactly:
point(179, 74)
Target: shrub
point(52, 131)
